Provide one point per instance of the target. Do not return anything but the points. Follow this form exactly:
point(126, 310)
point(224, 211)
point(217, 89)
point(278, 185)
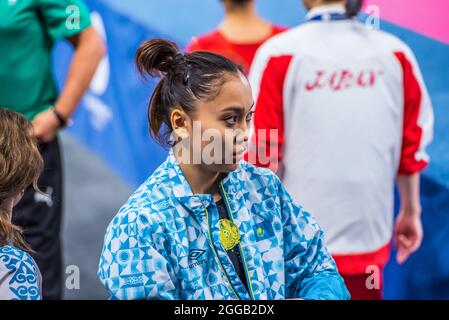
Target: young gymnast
point(207, 224)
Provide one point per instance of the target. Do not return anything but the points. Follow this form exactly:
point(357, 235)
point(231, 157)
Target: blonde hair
point(20, 166)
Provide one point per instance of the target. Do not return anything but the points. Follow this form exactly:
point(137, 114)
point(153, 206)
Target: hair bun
point(157, 57)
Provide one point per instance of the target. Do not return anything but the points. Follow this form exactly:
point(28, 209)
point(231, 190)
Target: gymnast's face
point(218, 129)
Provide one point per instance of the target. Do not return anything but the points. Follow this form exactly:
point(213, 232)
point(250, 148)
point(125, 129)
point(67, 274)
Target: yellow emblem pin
point(229, 234)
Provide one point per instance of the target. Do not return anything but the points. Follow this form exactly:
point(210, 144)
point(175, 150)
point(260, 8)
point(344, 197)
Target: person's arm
point(310, 271)
point(135, 268)
point(408, 232)
point(416, 136)
point(89, 50)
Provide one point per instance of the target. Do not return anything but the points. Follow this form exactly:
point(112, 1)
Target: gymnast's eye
point(250, 116)
point(231, 121)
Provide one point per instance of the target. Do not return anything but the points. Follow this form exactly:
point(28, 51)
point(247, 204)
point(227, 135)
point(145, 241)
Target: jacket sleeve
point(63, 18)
point(418, 120)
point(310, 271)
point(20, 278)
point(132, 267)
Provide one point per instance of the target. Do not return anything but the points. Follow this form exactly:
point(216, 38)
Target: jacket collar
point(181, 188)
point(325, 9)
point(183, 192)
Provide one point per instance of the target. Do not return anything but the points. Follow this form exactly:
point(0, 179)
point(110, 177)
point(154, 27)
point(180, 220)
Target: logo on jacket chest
point(196, 258)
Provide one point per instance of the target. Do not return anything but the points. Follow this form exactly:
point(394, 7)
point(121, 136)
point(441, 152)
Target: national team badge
point(229, 234)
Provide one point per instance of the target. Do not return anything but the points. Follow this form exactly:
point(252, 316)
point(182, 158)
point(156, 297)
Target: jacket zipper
point(219, 261)
point(240, 247)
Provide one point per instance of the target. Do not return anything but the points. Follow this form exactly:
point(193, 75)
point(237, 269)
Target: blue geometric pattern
point(19, 275)
point(164, 242)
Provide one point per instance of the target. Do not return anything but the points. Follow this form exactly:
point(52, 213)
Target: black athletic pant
point(40, 216)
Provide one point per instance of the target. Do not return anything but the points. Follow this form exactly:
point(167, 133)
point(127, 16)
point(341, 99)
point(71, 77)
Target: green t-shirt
point(28, 31)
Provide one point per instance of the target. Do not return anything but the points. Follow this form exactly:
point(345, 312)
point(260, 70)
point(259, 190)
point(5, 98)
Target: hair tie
point(186, 77)
point(178, 58)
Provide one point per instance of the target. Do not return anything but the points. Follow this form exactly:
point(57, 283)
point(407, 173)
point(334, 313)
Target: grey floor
point(93, 194)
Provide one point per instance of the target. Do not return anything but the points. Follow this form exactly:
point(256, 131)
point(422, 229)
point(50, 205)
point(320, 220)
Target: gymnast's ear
point(180, 122)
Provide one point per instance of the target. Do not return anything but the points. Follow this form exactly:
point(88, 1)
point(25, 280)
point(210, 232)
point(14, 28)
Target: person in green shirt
point(28, 31)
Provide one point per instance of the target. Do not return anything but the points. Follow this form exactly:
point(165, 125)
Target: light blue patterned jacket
point(164, 242)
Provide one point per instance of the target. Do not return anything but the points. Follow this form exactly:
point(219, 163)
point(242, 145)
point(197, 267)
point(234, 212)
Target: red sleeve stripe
point(412, 133)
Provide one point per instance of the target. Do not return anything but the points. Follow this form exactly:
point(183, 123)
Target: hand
point(45, 126)
point(408, 234)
